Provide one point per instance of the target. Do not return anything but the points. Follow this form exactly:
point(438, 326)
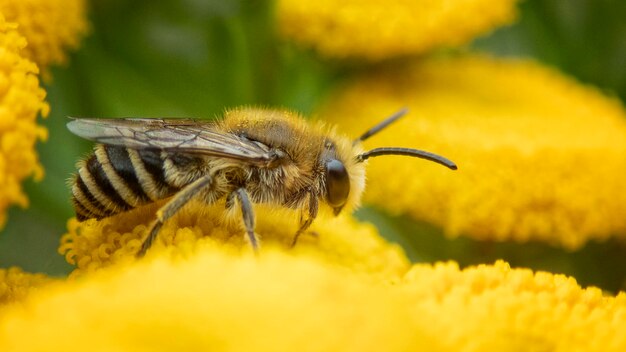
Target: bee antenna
point(408, 152)
point(381, 125)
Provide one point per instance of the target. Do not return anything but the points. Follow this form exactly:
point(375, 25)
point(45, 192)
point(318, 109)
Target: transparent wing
point(176, 135)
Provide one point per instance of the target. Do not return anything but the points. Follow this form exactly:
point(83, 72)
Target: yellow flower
point(21, 101)
point(93, 244)
point(496, 308)
point(16, 284)
point(50, 27)
point(206, 290)
point(377, 30)
point(278, 302)
point(540, 156)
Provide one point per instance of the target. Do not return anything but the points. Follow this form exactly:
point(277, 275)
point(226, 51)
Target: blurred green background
point(194, 58)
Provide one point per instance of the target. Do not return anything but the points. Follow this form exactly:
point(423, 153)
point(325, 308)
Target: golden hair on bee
point(250, 156)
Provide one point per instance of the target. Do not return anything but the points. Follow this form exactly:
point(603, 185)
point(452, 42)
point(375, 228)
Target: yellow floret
point(342, 241)
point(377, 30)
point(278, 302)
point(21, 101)
point(496, 308)
point(540, 156)
point(16, 284)
point(51, 27)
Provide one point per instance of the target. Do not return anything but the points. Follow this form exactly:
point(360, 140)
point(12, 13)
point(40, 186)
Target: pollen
point(51, 27)
point(375, 30)
point(21, 102)
point(540, 156)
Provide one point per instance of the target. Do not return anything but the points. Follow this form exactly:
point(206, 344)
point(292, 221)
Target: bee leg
point(248, 216)
point(172, 207)
point(312, 214)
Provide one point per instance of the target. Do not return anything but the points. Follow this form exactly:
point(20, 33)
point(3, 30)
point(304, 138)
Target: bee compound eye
point(337, 183)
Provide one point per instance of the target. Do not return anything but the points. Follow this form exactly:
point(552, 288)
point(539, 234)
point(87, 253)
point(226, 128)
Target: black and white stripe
point(116, 179)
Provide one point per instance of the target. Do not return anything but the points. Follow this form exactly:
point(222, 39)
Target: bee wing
point(179, 135)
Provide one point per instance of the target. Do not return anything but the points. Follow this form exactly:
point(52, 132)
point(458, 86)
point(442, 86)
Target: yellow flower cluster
point(21, 101)
point(50, 27)
point(94, 244)
point(377, 30)
point(540, 156)
point(215, 300)
point(496, 308)
point(15, 284)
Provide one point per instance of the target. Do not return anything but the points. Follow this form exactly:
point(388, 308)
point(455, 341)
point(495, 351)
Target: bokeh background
point(195, 58)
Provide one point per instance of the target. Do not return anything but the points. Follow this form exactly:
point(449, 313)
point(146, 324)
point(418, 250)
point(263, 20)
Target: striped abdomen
point(116, 179)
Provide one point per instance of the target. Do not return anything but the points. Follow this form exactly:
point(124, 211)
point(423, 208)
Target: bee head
point(343, 162)
point(339, 191)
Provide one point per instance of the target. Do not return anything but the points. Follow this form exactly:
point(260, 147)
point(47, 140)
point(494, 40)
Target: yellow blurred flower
point(540, 156)
point(342, 241)
point(215, 300)
point(377, 30)
point(51, 27)
point(21, 101)
point(15, 284)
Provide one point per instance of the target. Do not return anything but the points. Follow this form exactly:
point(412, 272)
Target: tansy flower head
point(278, 302)
point(496, 308)
point(342, 241)
point(50, 27)
point(21, 101)
point(540, 157)
point(377, 30)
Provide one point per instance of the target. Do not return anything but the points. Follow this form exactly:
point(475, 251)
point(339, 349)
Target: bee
point(250, 156)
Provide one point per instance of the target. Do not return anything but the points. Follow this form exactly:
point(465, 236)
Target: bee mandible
point(250, 156)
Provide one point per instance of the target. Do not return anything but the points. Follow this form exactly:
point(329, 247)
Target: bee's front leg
point(311, 215)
